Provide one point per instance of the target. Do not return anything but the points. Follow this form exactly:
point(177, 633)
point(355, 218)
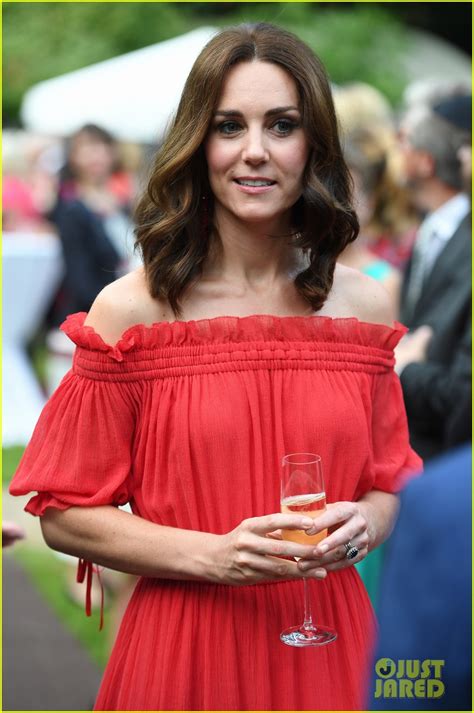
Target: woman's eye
point(284, 126)
point(228, 127)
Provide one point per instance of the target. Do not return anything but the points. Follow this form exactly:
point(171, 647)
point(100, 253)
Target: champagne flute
point(302, 492)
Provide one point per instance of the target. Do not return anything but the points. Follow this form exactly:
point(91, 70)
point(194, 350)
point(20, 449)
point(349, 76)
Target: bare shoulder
point(122, 304)
point(363, 297)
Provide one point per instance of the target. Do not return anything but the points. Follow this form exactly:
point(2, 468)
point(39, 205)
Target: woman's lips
point(249, 189)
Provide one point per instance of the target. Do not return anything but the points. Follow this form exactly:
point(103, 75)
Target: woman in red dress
point(239, 341)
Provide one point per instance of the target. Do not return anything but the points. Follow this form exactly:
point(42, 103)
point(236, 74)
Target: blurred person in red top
point(30, 183)
point(19, 212)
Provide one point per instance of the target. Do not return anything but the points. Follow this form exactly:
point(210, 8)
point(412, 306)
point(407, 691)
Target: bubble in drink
point(310, 505)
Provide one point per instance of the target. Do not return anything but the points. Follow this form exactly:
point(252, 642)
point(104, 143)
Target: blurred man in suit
point(425, 601)
point(434, 359)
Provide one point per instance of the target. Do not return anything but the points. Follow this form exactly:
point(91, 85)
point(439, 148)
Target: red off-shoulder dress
point(188, 421)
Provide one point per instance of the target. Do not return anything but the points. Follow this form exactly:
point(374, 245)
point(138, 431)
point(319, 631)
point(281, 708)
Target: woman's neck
point(246, 255)
point(97, 196)
point(92, 185)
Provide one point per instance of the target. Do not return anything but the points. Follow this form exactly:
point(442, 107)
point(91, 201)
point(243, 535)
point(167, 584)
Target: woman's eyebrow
point(270, 112)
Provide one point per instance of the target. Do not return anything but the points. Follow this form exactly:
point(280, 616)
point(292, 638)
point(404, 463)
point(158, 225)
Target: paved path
point(44, 666)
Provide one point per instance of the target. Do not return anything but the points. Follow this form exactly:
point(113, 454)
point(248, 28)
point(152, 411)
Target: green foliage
point(43, 40)
point(48, 575)
point(356, 41)
point(10, 459)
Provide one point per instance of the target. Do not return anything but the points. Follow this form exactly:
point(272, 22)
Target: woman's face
point(256, 149)
point(90, 158)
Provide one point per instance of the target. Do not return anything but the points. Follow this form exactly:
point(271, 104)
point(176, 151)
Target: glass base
point(314, 636)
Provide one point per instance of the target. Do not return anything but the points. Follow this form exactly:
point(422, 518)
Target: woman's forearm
point(119, 540)
point(381, 510)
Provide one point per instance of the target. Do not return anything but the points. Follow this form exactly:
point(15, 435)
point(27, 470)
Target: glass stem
point(308, 619)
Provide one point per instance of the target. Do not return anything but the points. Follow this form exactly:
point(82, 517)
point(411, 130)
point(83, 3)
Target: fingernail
point(306, 522)
point(321, 549)
point(320, 573)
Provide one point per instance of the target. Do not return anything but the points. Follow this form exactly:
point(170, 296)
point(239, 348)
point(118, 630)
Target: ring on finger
point(351, 550)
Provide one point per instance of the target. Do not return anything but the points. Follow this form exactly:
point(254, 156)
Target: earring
point(204, 216)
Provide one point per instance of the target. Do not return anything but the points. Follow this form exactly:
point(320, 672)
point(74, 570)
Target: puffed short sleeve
point(394, 462)
point(81, 449)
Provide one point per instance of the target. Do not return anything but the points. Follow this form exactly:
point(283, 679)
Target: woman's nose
point(255, 150)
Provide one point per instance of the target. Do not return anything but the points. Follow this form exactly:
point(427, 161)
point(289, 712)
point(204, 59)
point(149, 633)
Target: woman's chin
point(260, 217)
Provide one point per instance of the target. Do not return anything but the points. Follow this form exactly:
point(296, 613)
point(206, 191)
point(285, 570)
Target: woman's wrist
point(199, 556)
point(379, 510)
point(367, 511)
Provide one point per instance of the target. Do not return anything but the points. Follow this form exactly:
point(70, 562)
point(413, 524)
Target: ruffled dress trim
point(220, 344)
point(221, 330)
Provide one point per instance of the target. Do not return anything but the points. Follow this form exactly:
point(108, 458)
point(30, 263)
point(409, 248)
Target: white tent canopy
point(133, 95)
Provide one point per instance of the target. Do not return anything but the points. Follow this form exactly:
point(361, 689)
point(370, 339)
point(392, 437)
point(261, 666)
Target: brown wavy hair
point(174, 222)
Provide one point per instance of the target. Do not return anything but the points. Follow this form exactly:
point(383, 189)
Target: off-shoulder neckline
point(228, 327)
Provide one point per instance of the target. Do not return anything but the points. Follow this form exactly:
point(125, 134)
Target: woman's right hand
point(253, 552)
point(248, 554)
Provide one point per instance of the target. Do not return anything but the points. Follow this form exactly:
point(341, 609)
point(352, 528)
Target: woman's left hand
point(346, 522)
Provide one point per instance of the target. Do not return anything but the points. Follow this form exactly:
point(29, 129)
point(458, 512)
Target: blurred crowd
point(81, 190)
point(411, 172)
point(412, 188)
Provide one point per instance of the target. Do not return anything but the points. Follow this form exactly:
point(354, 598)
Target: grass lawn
point(10, 458)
